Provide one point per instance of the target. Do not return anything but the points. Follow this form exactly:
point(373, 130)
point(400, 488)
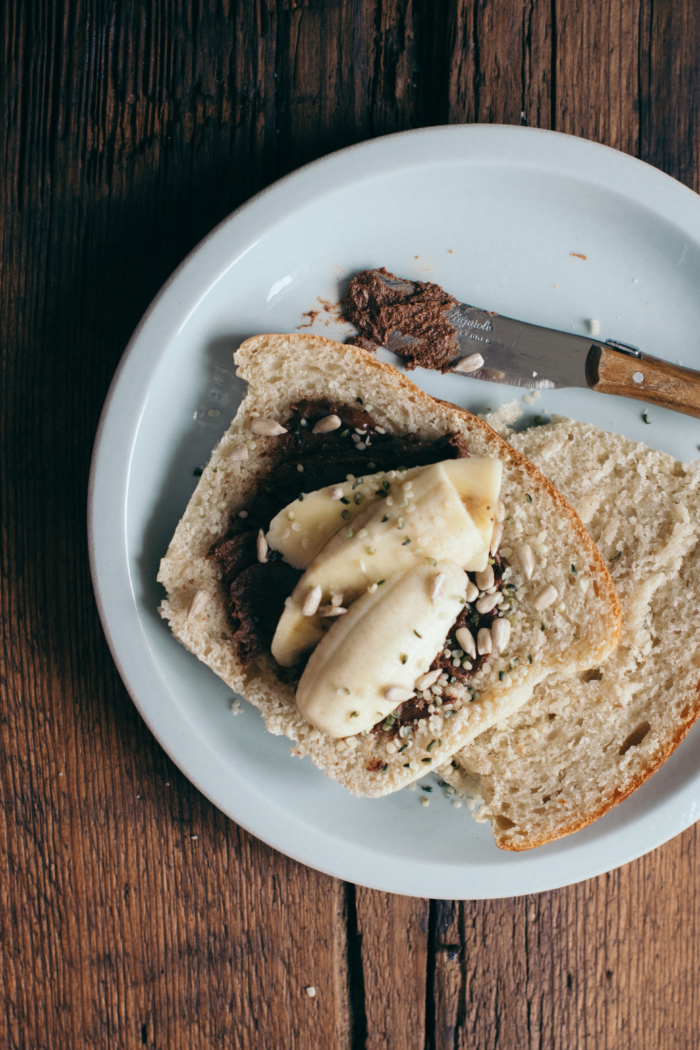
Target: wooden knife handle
point(644, 378)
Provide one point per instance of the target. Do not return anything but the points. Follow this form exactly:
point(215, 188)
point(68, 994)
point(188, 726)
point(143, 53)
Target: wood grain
point(132, 913)
point(500, 62)
point(669, 102)
point(394, 934)
point(607, 963)
point(598, 53)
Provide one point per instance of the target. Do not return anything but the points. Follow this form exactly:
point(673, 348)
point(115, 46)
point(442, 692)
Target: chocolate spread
point(414, 309)
point(256, 602)
point(255, 592)
point(474, 620)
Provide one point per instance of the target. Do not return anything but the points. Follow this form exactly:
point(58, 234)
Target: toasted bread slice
point(579, 631)
point(582, 745)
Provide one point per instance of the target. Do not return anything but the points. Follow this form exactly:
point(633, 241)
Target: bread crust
point(610, 597)
point(617, 796)
point(281, 369)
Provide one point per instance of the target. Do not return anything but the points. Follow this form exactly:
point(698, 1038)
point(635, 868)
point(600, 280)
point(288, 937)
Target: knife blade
point(502, 349)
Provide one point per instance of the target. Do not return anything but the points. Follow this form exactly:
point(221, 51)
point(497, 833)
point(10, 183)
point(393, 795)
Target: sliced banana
point(305, 526)
point(301, 530)
point(385, 539)
point(376, 652)
point(478, 481)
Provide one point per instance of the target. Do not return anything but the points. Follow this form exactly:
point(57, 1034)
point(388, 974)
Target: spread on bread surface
point(356, 447)
point(329, 581)
point(279, 447)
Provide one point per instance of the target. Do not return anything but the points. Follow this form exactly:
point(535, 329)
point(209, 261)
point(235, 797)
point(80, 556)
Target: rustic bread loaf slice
point(581, 631)
point(584, 744)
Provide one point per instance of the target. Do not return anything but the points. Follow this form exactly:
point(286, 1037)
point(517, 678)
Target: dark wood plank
point(348, 71)
point(597, 71)
point(132, 912)
point(670, 89)
point(399, 86)
point(315, 80)
point(499, 57)
point(394, 953)
point(610, 963)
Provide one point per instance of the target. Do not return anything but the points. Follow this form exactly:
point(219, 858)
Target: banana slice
point(371, 657)
point(305, 526)
point(478, 481)
point(385, 539)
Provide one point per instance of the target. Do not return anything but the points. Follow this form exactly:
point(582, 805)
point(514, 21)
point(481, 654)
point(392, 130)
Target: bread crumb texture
point(576, 633)
point(582, 744)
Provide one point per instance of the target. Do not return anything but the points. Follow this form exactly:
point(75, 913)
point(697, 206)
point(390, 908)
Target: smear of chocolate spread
point(254, 591)
point(414, 309)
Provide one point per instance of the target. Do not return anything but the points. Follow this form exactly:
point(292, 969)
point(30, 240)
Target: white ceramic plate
point(495, 215)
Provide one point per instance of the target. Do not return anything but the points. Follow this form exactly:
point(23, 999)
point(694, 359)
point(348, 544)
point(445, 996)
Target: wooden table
point(132, 913)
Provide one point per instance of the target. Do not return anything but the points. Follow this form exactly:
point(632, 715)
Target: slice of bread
point(280, 370)
point(582, 745)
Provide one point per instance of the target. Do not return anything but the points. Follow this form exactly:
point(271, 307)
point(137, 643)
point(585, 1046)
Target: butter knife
point(503, 350)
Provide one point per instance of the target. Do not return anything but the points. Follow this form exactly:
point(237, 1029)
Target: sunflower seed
point(267, 427)
point(526, 559)
point(311, 602)
point(427, 679)
point(488, 602)
point(484, 579)
point(472, 592)
point(262, 547)
point(198, 602)
point(328, 423)
point(484, 641)
point(470, 363)
point(545, 597)
point(465, 639)
point(437, 586)
point(500, 634)
point(239, 453)
point(397, 694)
